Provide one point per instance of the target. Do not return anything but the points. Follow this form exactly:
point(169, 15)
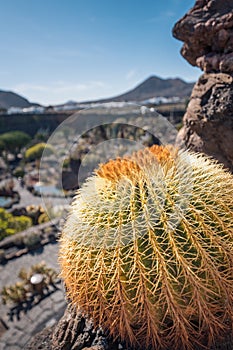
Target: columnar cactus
point(147, 249)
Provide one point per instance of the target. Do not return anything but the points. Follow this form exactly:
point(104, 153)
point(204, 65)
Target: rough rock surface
point(73, 332)
point(208, 122)
point(207, 33)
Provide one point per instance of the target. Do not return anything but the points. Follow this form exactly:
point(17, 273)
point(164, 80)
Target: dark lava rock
point(207, 33)
point(73, 332)
point(208, 122)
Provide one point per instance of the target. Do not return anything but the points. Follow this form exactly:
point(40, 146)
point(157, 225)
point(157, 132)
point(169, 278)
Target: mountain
point(10, 99)
point(154, 87)
point(157, 87)
point(150, 88)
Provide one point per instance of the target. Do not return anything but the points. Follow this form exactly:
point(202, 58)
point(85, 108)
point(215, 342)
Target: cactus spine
point(147, 249)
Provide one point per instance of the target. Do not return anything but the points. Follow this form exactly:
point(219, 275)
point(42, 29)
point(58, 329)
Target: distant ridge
point(150, 88)
point(154, 87)
point(11, 99)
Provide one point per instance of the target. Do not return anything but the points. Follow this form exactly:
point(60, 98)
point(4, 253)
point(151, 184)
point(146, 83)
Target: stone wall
point(31, 123)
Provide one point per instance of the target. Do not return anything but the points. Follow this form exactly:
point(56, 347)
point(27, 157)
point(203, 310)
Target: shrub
point(21, 291)
point(19, 172)
point(14, 141)
point(2, 255)
point(18, 240)
point(66, 163)
point(20, 223)
point(43, 218)
point(50, 275)
point(15, 294)
point(31, 240)
point(147, 249)
point(9, 224)
point(36, 151)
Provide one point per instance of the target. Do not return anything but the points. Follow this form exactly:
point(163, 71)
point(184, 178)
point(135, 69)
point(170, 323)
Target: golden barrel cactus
point(146, 250)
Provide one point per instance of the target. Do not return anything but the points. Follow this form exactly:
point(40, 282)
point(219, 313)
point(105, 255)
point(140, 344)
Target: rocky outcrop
point(208, 122)
point(73, 332)
point(207, 32)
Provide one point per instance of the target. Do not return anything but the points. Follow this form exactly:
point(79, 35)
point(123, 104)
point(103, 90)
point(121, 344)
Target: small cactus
point(147, 249)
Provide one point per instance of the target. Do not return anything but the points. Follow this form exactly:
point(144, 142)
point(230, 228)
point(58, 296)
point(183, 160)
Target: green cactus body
point(147, 249)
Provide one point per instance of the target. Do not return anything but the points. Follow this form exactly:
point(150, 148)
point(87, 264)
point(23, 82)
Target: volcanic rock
point(207, 33)
point(208, 122)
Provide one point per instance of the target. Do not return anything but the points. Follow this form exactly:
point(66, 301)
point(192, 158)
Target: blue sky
point(52, 51)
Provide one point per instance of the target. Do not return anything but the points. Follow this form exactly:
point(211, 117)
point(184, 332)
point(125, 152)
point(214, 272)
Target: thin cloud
point(131, 74)
point(161, 16)
point(59, 86)
point(170, 14)
point(57, 92)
